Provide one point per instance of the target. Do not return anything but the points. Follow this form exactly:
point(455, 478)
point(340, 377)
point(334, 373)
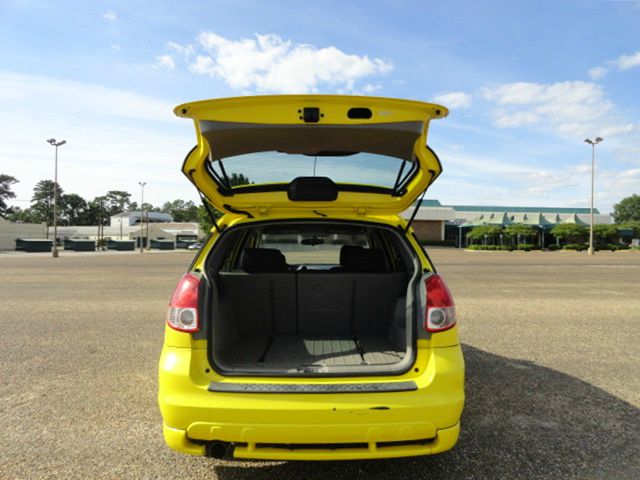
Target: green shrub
point(494, 248)
point(615, 246)
point(527, 247)
point(571, 233)
point(482, 233)
point(605, 234)
point(515, 230)
point(574, 246)
point(554, 247)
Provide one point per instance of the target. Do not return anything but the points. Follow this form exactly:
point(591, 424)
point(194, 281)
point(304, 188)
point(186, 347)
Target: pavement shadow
point(521, 420)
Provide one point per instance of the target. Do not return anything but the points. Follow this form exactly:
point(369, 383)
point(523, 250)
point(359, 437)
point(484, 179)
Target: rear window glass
point(318, 246)
point(312, 248)
point(277, 167)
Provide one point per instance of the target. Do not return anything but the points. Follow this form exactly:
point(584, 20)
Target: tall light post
point(56, 144)
point(142, 184)
point(593, 144)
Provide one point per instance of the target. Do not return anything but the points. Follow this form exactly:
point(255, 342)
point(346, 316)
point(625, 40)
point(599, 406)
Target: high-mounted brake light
point(440, 314)
point(183, 307)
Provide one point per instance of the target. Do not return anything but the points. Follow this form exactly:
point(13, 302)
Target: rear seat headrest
point(263, 260)
point(354, 258)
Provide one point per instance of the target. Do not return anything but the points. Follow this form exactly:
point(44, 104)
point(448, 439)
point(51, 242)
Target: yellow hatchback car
point(311, 325)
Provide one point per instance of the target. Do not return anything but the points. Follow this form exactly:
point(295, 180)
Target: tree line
point(74, 210)
point(572, 236)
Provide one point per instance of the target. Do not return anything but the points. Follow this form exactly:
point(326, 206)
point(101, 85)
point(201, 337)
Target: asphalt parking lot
point(551, 340)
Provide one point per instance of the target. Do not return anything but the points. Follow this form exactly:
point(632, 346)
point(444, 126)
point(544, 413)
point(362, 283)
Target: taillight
point(183, 308)
point(441, 312)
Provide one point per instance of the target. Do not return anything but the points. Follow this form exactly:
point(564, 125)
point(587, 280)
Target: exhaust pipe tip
point(218, 449)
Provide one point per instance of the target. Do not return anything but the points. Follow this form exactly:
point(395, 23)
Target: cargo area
point(312, 307)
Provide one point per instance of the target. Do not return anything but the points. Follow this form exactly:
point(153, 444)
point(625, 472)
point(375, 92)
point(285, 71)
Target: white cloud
point(110, 16)
point(186, 50)
point(454, 99)
point(370, 88)
point(203, 65)
point(614, 185)
point(512, 180)
point(615, 130)
point(268, 63)
point(625, 62)
point(596, 73)
point(165, 61)
point(504, 119)
point(82, 99)
point(115, 138)
point(571, 109)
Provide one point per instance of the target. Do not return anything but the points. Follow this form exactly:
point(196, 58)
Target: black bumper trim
point(377, 387)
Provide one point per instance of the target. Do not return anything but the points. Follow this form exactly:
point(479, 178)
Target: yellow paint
point(283, 110)
point(191, 413)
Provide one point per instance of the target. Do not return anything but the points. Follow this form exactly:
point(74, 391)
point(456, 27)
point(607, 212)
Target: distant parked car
point(311, 325)
point(195, 246)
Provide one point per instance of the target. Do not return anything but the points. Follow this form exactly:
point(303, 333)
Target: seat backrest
point(347, 303)
point(259, 303)
point(263, 260)
point(354, 258)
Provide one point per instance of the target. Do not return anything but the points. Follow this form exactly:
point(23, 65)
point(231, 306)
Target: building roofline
point(514, 209)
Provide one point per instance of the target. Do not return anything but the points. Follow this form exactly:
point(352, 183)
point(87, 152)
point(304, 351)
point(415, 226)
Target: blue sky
point(526, 83)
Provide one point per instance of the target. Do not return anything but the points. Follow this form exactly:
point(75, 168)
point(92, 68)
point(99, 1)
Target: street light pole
point(593, 144)
point(56, 144)
point(142, 184)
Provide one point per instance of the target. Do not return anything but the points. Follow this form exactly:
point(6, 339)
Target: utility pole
point(593, 144)
point(56, 144)
point(147, 234)
point(142, 184)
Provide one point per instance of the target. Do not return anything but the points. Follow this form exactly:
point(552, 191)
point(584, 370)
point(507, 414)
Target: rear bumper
point(444, 440)
point(323, 426)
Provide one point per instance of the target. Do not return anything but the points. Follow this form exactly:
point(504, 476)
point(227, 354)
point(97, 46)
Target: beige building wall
point(167, 231)
point(10, 231)
point(429, 230)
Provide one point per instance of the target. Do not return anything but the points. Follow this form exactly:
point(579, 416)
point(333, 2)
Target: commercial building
point(435, 222)
point(430, 220)
point(133, 226)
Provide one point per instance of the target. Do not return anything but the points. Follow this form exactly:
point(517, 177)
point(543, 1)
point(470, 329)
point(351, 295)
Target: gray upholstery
point(259, 303)
point(286, 351)
point(348, 302)
point(315, 303)
point(354, 258)
point(263, 260)
point(309, 317)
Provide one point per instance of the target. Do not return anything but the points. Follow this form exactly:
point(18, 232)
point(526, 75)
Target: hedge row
point(521, 246)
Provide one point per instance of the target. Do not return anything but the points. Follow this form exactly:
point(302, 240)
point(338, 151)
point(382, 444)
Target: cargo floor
point(297, 350)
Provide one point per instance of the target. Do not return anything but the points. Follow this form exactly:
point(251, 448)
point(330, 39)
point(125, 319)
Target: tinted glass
point(275, 167)
point(309, 247)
